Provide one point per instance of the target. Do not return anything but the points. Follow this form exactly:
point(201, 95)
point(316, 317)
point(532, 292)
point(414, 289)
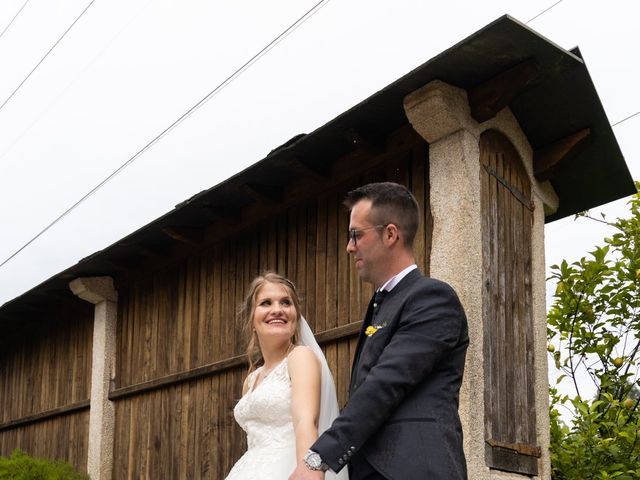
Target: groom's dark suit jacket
point(402, 414)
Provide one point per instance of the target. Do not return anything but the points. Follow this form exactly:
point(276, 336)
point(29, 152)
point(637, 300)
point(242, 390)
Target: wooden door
point(507, 211)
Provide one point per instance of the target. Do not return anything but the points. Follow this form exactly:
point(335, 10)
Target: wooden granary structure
point(128, 363)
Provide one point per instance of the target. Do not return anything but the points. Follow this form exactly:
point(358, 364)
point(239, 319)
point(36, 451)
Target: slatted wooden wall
point(45, 386)
point(179, 370)
point(510, 421)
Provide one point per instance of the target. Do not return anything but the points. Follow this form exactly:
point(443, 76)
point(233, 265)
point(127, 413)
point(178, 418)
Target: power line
point(545, 11)
point(542, 12)
point(14, 17)
point(312, 11)
point(61, 93)
point(625, 119)
point(46, 55)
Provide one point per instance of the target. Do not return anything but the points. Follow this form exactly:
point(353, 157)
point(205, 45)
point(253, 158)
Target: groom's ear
point(390, 234)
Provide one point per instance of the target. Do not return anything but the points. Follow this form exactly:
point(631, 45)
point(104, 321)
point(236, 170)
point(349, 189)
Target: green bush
point(20, 466)
point(594, 334)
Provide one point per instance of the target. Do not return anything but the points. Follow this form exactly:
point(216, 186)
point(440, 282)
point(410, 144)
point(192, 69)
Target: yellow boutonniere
point(370, 330)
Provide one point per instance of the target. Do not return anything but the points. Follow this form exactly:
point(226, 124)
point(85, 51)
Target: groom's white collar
point(393, 281)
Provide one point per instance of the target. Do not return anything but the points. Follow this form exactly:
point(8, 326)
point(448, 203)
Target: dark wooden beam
point(369, 141)
point(24, 308)
point(215, 368)
point(56, 295)
point(152, 251)
point(298, 164)
point(19, 321)
point(180, 377)
point(67, 275)
point(146, 250)
point(487, 99)
point(38, 417)
point(226, 214)
point(188, 235)
point(547, 160)
point(262, 192)
point(120, 264)
point(520, 448)
point(338, 333)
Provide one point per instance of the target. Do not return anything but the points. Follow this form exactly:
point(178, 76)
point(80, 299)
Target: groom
point(401, 422)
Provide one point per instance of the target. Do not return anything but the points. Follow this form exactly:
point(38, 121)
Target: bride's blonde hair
point(248, 307)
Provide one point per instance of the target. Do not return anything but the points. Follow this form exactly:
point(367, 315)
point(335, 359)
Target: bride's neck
point(274, 354)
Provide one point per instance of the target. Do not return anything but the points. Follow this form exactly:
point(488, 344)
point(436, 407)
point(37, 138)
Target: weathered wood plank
point(320, 313)
point(311, 284)
point(331, 280)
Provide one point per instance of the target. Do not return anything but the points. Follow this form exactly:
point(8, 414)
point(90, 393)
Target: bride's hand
point(303, 473)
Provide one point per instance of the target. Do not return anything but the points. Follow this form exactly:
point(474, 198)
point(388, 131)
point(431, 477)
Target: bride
point(290, 397)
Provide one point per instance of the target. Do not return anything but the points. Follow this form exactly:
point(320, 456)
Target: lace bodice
point(264, 413)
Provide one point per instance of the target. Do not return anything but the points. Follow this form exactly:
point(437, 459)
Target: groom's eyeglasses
point(354, 234)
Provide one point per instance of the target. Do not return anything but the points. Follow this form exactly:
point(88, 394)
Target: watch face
point(313, 460)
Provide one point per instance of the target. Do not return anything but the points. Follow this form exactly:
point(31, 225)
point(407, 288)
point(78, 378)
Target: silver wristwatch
point(313, 461)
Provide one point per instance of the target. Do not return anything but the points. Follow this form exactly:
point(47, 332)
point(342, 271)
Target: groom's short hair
point(390, 203)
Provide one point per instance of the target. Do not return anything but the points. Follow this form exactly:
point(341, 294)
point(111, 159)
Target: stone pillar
point(101, 292)
point(440, 113)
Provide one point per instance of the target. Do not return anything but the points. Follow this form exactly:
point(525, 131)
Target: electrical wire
point(73, 81)
point(545, 11)
point(13, 19)
point(46, 55)
point(625, 119)
point(312, 11)
point(542, 12)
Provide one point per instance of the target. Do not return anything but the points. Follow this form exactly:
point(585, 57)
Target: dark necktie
point(372, 310)
point(378, 297)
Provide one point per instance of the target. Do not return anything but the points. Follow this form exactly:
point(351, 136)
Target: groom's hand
point(303, 473)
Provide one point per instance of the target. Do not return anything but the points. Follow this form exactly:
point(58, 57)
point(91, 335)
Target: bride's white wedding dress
point(264, 412)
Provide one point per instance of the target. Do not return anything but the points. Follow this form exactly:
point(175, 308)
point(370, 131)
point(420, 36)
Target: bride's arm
point(304, 370)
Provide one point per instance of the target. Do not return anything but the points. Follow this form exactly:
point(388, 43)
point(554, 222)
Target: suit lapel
point(397, 290)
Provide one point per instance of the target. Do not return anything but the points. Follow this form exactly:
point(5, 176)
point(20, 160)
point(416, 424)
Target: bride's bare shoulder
point(302, 356)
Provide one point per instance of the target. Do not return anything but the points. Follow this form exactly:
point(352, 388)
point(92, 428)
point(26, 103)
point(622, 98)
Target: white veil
point(328, 400)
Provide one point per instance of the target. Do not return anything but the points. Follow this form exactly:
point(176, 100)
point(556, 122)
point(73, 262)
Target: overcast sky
point(128, 69)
